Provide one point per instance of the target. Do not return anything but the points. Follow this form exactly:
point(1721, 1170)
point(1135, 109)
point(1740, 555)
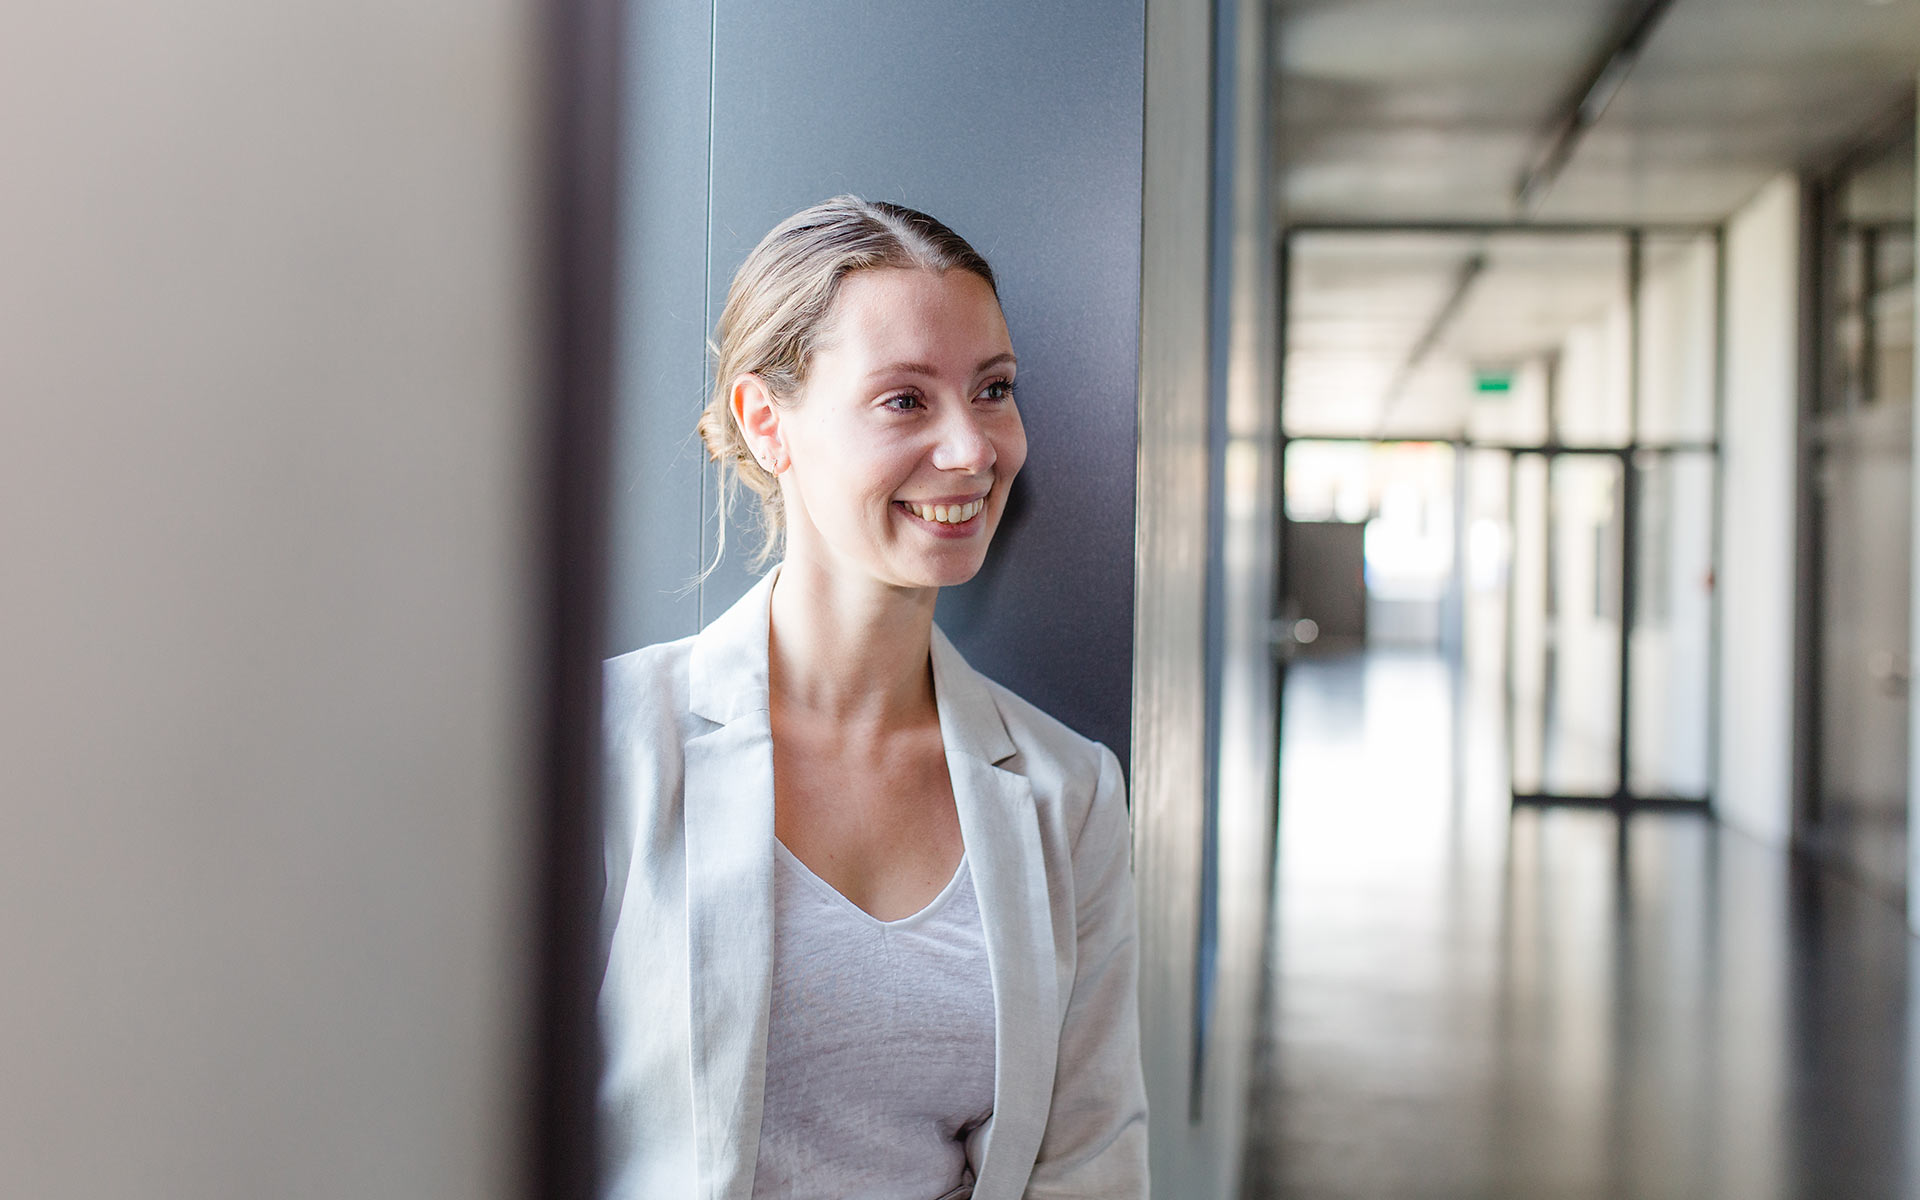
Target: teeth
point(948, 514)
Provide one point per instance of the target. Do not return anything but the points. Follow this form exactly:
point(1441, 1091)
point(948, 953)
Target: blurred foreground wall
point(265, 566)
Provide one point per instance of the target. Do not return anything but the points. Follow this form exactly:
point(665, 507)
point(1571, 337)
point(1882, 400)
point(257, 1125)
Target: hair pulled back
point(776, 315)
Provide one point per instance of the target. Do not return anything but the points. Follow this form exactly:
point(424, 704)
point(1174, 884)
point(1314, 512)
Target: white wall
point(265, 395)
point(1755, 752)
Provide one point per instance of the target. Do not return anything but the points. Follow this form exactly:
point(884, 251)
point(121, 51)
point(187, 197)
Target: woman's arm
point(1095, 1143)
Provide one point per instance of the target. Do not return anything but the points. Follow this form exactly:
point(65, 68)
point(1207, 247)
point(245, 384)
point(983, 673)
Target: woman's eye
point(999, 389)
point(903, 402)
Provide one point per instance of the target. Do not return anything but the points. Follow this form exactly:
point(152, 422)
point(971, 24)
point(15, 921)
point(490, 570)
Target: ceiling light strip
point(1589, 103)
point(1470, 271)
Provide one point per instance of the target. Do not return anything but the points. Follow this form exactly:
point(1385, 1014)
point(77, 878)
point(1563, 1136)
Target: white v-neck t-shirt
point(880, 1044)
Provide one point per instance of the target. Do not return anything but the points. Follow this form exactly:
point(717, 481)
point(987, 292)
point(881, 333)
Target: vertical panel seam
point(708, 469)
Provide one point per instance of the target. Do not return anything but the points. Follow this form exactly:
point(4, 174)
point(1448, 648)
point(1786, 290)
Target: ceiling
point(1421, 110)
point(1429, 111)
point(1363, 303)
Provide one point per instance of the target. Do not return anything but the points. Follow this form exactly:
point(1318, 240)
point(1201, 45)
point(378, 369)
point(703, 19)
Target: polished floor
point(1556, 1005)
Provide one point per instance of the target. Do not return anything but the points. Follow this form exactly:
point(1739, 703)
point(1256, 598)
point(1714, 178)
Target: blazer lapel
point(729, 845)
point(1000, 824)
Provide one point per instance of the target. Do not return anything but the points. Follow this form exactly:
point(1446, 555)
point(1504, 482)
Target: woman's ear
point(758, 417)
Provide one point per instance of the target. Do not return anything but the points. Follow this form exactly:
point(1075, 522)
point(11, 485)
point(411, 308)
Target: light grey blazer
point(689, 910)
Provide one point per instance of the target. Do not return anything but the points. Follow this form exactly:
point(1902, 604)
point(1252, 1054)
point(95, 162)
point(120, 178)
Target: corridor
point(1556, 1003)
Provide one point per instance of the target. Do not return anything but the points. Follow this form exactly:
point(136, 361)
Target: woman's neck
point(850, 650)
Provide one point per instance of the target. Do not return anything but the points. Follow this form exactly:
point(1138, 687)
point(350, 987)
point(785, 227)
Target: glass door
point(1565, 627)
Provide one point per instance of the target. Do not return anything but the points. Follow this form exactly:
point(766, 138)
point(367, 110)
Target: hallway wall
point(740, 112)
point(1759, 478)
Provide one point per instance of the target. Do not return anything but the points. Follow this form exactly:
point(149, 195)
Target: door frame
point(1623, 799)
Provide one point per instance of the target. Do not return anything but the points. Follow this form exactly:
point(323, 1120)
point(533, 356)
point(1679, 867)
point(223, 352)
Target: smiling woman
point(900, 448)
point(872, 923)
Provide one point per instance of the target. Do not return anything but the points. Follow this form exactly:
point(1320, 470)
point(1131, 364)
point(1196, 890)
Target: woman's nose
point(963, 445)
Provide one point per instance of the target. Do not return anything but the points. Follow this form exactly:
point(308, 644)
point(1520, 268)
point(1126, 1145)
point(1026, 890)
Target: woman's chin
point(942, 570)
point(917, 562)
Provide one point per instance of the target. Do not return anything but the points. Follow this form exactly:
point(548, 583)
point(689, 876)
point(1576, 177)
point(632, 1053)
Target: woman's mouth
point(946, 514)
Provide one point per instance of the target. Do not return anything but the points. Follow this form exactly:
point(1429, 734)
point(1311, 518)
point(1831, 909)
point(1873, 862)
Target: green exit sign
point(1493, 383)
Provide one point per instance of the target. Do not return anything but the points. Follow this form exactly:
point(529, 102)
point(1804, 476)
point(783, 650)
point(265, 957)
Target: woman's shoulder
point(645, 689)
point(1076, 784)
point(1064, 767)
point(644, 722)
point(1043, 745)
point(1038, 732)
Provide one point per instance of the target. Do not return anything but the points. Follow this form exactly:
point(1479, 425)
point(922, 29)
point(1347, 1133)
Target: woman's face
point(905, 438)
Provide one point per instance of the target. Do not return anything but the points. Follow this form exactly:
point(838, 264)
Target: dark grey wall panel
point(663, 324)
point(1019, 125)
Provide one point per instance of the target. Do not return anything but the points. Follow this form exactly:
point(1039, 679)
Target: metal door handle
point(1284, 636)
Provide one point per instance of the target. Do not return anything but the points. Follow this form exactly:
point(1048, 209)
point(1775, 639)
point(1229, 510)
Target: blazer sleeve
point(1095, 1144)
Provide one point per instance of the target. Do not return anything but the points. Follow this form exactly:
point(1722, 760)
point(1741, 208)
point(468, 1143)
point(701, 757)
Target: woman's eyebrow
point(902, 368)
point(918, 368)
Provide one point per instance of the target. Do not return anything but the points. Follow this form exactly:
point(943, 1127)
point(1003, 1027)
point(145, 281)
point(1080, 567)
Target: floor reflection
point(1464, 1003)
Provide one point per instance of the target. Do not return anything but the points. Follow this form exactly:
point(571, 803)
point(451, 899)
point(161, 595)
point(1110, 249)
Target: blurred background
point(1471, 487)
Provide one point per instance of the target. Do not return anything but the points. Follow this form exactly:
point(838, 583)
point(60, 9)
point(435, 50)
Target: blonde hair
point(776, 313)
